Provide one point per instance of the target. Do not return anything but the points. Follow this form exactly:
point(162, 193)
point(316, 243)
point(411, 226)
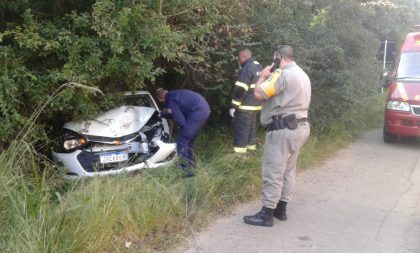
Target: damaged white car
point(125, 139)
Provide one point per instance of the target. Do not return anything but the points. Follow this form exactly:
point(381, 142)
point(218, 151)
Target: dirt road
point(365, 199)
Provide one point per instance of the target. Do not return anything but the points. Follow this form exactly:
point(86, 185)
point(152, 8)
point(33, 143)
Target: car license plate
point(113, 157)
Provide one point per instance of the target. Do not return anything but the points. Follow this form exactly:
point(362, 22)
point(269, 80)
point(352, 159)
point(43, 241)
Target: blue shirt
point(186, 105)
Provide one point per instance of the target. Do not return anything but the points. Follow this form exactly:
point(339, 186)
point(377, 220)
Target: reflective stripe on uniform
point(239, 150)
point(243, 85)
point(250, 108)
point(235, 102)
point(252, 147)
point(252, 86)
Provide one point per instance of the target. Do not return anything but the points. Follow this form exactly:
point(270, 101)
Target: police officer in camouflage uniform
point(245, 106)
point(286, 94)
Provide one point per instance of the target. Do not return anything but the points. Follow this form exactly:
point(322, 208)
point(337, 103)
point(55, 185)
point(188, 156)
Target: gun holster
point(280, 122)
point(290, 121)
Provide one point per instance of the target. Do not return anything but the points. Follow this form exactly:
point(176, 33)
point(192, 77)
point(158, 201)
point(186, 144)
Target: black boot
point(280, 211)
point(187, 172)
point(262, 218)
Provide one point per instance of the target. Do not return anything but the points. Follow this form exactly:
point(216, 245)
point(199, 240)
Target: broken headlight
point(73, 141)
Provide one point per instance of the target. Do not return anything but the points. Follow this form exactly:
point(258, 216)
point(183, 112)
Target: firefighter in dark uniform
point(245, 107)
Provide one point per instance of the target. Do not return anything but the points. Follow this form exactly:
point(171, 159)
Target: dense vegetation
point(55, 56)
point(132, 45)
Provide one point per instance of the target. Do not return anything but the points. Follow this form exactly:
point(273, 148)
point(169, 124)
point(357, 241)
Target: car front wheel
point(389, 137)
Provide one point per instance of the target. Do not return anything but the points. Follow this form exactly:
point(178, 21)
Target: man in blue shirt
point(190, 112)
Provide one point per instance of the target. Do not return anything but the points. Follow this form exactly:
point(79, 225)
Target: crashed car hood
point(115, 123)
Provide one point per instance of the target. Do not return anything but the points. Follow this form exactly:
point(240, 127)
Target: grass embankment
point(153, 209)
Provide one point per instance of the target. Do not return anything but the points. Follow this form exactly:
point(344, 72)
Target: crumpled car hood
point(115, 123)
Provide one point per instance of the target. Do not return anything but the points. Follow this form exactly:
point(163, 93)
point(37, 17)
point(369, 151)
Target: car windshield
point(139, 100)
point(409, 66)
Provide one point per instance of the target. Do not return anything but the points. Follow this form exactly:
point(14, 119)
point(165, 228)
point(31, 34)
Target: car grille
point(416, 110)
point(90, 162)
point(123, 139)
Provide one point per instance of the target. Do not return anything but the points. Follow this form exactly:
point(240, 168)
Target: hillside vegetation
point(60, 59)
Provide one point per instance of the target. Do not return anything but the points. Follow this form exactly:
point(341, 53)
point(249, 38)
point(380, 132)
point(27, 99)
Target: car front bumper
point(80, 163)
point(402, 123)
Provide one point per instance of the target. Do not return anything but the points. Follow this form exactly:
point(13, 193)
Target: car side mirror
point(386, 79)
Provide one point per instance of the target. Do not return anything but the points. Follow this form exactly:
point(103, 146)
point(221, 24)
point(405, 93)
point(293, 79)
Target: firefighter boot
point(280, 211)
point(262, 218)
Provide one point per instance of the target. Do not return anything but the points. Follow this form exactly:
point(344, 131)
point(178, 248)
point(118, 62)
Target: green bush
point(131, 45)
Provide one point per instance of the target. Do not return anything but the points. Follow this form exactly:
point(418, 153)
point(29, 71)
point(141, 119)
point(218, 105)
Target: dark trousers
point(245, 128)
point(185, 141)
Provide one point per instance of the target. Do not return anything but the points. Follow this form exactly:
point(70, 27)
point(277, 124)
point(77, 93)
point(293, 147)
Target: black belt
point(278, 123)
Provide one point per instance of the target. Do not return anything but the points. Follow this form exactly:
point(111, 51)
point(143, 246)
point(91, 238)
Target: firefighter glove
point(232, 112)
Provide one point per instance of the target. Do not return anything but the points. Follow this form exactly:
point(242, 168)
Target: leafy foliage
point(131, 45)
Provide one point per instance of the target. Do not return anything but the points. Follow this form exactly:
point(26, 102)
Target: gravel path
point(364, 199)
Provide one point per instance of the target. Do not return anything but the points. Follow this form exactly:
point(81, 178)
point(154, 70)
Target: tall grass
point(151, 210)
point(148, 209)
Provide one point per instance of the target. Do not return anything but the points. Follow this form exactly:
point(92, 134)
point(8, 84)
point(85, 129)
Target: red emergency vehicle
point(402, 112)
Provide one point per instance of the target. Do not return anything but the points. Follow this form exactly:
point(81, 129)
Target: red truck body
point(402, 111)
